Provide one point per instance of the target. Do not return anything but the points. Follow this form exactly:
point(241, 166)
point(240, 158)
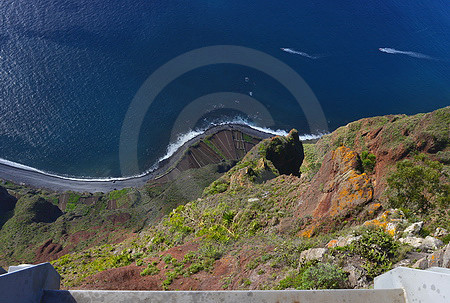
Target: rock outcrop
point(440, 258)
point(268, 159)
point(337, 189)
point(286, 153)
point(7, 201)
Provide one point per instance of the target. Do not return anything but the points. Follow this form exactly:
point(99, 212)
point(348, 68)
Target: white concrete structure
point(40, 283)
point(254, 296)
point(27, 284)
point(431, 285)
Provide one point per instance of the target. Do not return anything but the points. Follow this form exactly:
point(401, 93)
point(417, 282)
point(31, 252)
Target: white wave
point(293, 51)
point(181, 140)
point(172, 148)
point(408, 53)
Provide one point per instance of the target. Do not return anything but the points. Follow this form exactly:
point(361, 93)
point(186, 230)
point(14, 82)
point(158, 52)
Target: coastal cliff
point(288, 215)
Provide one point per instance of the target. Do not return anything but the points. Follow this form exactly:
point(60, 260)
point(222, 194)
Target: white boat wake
point(407, 53)
point(293, 51)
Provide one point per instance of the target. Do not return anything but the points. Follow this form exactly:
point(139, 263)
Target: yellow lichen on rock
point(389, 221)
point(347, 188)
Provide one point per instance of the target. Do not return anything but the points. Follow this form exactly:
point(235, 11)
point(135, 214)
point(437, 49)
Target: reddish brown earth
point(228, 273)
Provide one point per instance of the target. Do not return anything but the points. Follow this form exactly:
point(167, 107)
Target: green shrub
point(168, 259)
point(446, 239)
point(315, 275)
point(368, 161)
point(194, 268)
point(117, 194)
point(417, 185)
point(378, 248)
point(323, 276)
point(218, 186)
point(150, 270)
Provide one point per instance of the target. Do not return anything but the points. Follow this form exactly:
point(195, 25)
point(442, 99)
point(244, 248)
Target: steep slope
point(264, 225)
point(41, 225)
point(256, 228)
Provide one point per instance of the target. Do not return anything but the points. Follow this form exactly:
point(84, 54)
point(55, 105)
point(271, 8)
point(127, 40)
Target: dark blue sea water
point(70, 69)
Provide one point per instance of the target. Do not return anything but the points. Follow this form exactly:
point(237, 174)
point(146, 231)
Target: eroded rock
point(439, 258)
point(343, 241)
point(440, 232)
point(389, 221)
point(429, 243)
point(413, 229)
point(313, 254)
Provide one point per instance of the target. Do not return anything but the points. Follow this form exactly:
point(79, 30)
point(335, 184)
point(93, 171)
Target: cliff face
point(337, 189)
point(288, 215)
point(393, 138)
point(268, 159)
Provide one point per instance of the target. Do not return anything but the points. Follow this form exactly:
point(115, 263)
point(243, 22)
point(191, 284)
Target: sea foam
point(172, 148)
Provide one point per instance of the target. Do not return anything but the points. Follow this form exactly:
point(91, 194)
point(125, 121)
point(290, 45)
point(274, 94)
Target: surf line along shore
point(39, 179)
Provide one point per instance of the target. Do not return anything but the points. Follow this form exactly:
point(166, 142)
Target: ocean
point(72, 70)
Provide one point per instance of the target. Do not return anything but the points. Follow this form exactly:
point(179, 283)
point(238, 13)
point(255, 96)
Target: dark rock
point(286, 153)
point(44, 211)
point(7, 202)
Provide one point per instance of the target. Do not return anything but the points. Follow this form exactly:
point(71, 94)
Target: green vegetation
point(417, 185)
point(378, 249)
point(117, 194)
point(368, 161)
point(217, 187)
point(311, 163)
point(80, 265)
point(150, 270)
point(247, 138)
point(247, 227)
point(214, 148)
point(72, 201)
point(315, 275)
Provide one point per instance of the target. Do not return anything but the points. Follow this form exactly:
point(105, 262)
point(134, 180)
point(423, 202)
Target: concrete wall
point(431, 285)
point(304, 296)
point(27, 284)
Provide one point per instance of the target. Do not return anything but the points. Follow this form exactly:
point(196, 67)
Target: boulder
point(432, 243)
point(440, 232)
point(343, 241)
point(439, 258)
point(446, 256)
point(413, 241)
point(413, 229)
point(356, 276)
point(313, 254)
point(421, 263)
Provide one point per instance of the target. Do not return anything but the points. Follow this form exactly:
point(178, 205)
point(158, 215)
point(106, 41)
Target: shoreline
point(39, 179)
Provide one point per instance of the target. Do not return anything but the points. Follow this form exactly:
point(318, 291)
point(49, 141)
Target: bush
point(368, 161)
point(150, 270)
point(378, 248)
point(323, 276)
point(417, 185)
point(315, 275)
point(217, 187)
